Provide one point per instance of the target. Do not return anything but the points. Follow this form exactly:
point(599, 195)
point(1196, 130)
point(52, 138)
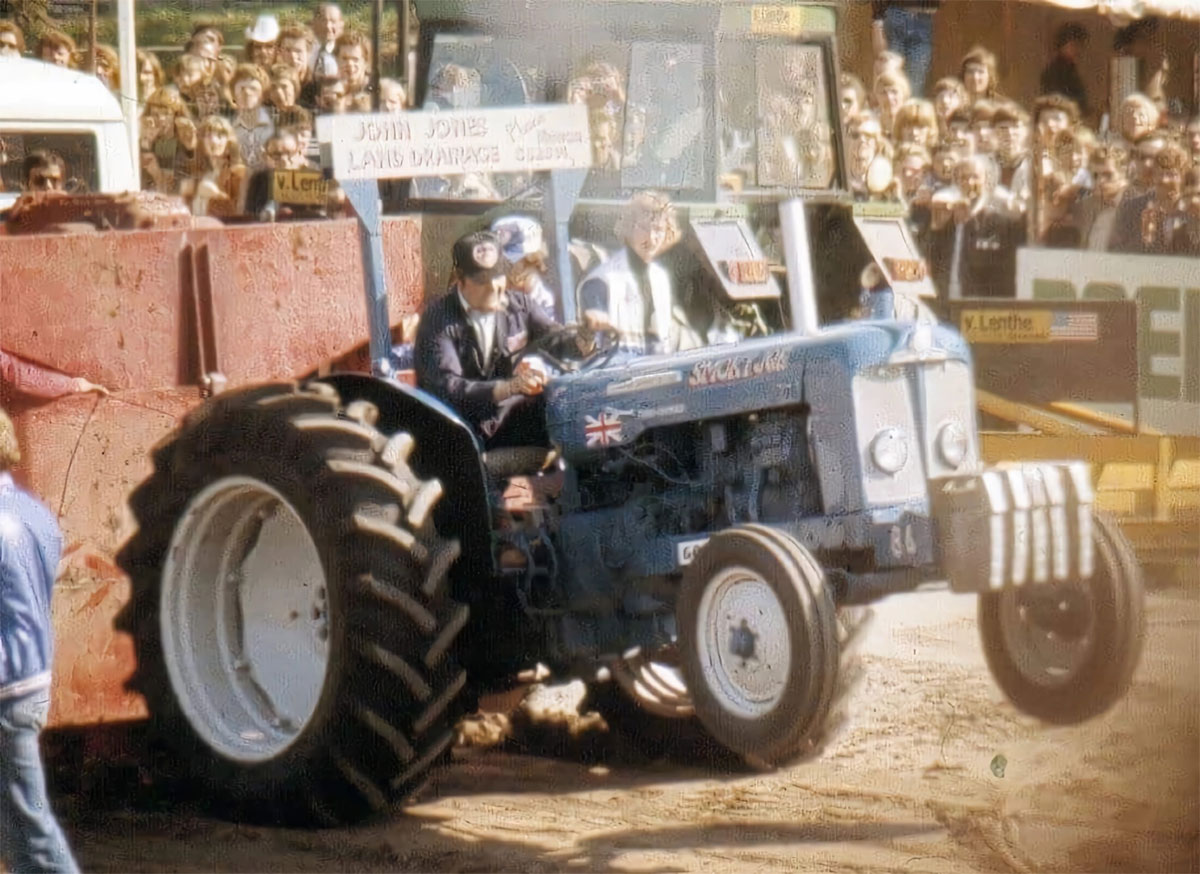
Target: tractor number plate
point(685, 551)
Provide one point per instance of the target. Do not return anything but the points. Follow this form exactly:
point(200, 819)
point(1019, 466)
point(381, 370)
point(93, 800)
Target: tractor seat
point(510, 461)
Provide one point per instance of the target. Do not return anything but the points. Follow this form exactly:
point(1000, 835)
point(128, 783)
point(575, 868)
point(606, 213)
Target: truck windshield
point(78, 151)
point(655, 119)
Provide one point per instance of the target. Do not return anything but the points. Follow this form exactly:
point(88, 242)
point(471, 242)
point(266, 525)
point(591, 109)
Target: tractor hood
point(610, 407)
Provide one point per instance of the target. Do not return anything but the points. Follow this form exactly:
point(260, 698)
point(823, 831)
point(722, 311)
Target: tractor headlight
point(952, 444)
point(889, 450)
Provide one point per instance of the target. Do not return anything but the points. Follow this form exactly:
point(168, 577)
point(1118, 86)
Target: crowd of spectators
point(982, 174)
point(211, 120)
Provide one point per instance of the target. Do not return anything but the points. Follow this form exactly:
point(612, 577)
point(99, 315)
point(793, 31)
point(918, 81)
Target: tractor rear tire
point(290, 612)
point(758, 635)
point(1079, 659)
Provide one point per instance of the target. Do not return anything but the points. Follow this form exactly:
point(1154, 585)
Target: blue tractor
point(326, 574)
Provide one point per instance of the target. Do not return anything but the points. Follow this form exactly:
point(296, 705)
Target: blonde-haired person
point(12, 40)
point(916, 124)
point(167, 141)
point(949, 95)
point(56, 47)
point(150, 74)
point(30, 549)
point(631, 293)
point(392, 96)
point(890, 92)
point(215, 187)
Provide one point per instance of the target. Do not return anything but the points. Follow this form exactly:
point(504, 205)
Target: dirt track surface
point(907, 785)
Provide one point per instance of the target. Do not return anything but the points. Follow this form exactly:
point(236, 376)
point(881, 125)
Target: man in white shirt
point(327, 25)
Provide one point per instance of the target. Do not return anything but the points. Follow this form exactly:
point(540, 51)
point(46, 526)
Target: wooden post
point(376, 46)
point(405, 44)
point(91, 55)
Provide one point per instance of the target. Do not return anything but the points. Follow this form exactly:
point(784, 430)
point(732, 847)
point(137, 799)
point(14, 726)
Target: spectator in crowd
point(108, 68)
point(524, 249)
point(262, 42)
point(55, 47)
point(916, 186)
point(301, 126)
point(906, 27)
point(208, 42)
point(30, 547)
point(1053, 114)
point(327, 26)
point(890, 93)
point(282, 152)
point(949, 95)
point(167, 141)
point(353, 52)
point(331, 96)
point(606, 154)
point(1061, 75)
point(215, 187)
point(887, 62)
point(978, 74)
point(1095, 213)
point(12, 40)
point(853, 96)
point(916, 124)
point(198, 86)
point(391, 96)
point(870, 157)
point(983, 112)
point(945, 159)
point(150, 75)
point(1186, 240)
point(1127, 229)
point(1011, 126)
point(252, 123)
point(282, 92)
point(1072, 153)
point(1160, 218)
point(295, 49)
point(1137, 118)
point(1192, 133)
point(974, 255)
point(959, 132)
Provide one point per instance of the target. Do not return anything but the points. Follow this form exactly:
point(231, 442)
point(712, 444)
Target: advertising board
point(460, 141)
point(1166, 292)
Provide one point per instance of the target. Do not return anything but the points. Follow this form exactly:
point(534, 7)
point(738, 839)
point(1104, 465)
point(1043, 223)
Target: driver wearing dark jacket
point(467, 342)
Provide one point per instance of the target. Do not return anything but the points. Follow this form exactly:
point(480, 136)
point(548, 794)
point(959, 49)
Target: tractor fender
point(446, 448)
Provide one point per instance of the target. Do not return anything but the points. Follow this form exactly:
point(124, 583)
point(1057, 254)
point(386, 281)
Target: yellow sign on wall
point(300, 187)
point(1029, 326)
point(779, 20)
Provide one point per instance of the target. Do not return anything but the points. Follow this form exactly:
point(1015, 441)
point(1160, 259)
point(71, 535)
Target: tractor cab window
point(469, 72)
point(666, 118)
point(777, 126)
point(78, 151)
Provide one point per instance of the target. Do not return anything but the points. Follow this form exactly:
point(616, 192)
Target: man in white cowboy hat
point(262, 41)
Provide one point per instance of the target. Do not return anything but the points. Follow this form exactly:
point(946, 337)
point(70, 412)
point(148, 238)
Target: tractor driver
point(467, 341)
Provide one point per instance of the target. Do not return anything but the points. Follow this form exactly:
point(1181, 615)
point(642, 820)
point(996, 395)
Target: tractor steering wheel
point(564, 342)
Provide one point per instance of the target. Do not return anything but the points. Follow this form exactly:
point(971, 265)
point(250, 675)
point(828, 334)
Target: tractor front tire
point(1065, 652)
point(290, 612)
point(758, 635)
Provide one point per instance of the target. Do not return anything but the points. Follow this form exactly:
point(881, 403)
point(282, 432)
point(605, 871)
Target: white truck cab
point(69, 112)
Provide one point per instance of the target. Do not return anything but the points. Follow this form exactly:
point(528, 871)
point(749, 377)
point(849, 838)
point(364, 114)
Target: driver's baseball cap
point(478, 256)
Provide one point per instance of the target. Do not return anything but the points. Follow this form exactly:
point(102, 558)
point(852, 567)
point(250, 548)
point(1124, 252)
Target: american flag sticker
point(602, 430)
point(1075, 326)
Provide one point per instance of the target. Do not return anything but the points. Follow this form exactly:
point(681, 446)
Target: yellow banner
point(777, 20)
point(300, 187)
point(1006, 326)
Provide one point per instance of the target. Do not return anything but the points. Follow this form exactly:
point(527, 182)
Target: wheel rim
point(244, 619)
point(657, 686)
point(745, 642)
point(1049, 631)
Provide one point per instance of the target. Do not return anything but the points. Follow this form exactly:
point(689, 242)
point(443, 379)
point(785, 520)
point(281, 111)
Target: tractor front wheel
point(758, 635)
point(1066, 651)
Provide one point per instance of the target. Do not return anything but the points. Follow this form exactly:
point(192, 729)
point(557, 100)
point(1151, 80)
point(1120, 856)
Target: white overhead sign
point(458, 141)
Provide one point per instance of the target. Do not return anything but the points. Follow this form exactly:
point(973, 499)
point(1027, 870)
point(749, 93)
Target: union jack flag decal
point(602, 430)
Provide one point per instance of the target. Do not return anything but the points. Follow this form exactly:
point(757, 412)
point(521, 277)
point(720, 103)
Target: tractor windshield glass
point(686, 117)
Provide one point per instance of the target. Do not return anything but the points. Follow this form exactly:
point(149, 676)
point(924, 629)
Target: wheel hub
point(244, 619)
point(745, 642)
point(1049, 630)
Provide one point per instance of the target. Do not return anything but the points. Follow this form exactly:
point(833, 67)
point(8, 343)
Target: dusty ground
point(907, 786)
